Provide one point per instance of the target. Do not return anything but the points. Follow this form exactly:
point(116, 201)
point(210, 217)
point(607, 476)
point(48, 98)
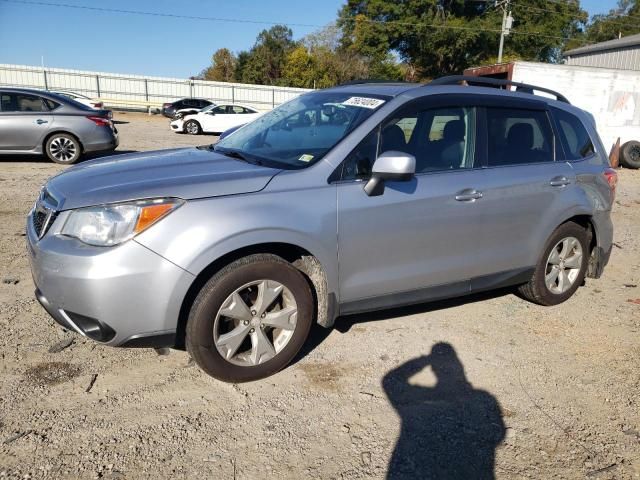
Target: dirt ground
point(470, 388)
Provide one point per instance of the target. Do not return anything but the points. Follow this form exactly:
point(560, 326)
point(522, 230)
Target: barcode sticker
point(363, 102)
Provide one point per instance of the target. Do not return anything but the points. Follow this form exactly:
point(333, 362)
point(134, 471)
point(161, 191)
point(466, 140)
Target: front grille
point(43, 214)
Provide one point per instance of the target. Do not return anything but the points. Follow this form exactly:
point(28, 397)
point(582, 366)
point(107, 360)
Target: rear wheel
point(561, 268)
point(63, 148)
point(630, 154)
point(250, 319)
point(192, 127)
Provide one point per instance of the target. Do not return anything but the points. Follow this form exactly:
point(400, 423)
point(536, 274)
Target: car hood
point(186, 173)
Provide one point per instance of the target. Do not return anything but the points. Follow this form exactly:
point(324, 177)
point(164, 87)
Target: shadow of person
point(449, 431)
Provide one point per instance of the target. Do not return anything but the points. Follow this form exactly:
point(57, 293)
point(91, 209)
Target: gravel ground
point(470, 388)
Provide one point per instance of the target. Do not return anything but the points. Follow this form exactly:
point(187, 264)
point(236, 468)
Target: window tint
point(575, 139)
point(219, 109)
point(18, 102)
point(518, 136)
point(440, 139)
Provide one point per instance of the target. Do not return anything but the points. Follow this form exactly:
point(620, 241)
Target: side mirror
point(390, 165)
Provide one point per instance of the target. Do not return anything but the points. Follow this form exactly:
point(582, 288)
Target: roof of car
point(390, 89)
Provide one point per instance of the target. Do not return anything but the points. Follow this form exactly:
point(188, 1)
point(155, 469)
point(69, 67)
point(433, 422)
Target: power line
point(264, 22)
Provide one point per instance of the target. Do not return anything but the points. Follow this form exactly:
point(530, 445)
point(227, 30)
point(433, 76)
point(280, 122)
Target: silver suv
point(351, 199)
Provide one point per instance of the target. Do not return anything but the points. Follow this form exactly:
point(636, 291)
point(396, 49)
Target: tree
point(300, 68)
point(439, 37)
point(223, 66)
point(619, 22)
point(264, 63)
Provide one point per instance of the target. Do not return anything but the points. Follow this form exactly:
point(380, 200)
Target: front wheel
point(192, 127)
point(561, 268)
point(250, 319)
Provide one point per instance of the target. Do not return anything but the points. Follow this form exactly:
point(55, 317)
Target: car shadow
point(450, 430)
point(105, 154)
point(343, 324)
point(43, 159)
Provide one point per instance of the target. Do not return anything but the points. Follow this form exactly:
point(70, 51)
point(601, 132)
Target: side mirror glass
point(390, 165)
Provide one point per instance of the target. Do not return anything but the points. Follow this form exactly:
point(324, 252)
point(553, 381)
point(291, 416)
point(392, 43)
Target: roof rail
point(370, 80)
point(487, 81)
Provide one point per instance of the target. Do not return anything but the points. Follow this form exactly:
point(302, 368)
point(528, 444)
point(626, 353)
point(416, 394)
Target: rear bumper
point(106, 139)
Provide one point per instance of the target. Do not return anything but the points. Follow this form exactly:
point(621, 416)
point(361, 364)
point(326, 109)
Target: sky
point(87, 39)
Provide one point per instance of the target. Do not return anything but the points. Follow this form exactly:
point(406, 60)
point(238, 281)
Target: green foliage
point(619, 22)
point(415, 40)
point(264, 63)
point(223, 67)
point(439, 37)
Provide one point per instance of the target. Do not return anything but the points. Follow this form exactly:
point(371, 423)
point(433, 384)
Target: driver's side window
point(221, 109)
point(439, 138)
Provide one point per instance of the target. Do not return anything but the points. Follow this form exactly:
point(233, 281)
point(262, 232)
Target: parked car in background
point(38, 122)
point(345, 200)
point(170, 109)
point(215, 120)
point(83, 99)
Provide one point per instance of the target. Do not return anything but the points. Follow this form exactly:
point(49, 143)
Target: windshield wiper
point(239, 155)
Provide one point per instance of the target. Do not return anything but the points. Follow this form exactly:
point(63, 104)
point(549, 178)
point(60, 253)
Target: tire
point(537, 289)
point(630, 154)
point(63, 148)
point(192, 127)
point(241, 283)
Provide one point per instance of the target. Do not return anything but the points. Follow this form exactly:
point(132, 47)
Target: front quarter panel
point(202, 231)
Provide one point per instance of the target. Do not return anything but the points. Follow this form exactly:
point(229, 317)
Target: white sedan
point(215, 119)
point(95, 104)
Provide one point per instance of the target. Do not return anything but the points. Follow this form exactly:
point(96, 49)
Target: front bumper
point(177, 125)
point(120, 296)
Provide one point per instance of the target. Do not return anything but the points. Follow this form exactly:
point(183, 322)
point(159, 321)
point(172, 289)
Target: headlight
point(108, 225)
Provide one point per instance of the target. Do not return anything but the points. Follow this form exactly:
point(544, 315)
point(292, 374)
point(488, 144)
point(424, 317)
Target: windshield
point(208, 107)
point(301, 131)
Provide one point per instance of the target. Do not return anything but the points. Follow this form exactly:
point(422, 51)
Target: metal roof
point(630, 41)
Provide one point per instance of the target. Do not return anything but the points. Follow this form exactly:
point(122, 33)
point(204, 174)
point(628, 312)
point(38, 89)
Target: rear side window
point(18, 102)
point(575, 140)
point(51, 105)
point(518, 136)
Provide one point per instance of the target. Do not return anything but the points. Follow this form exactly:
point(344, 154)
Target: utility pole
point(507, 22)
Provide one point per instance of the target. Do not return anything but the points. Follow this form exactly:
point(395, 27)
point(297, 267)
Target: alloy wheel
point(63, 149)
point(255, 323)
point(563, 265)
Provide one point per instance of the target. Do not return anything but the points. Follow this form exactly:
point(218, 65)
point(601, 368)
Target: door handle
point(468, 195)
point(40, 121)
point(560, 181)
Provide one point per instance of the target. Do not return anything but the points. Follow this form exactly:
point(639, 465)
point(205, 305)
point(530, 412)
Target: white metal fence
point(142, 92)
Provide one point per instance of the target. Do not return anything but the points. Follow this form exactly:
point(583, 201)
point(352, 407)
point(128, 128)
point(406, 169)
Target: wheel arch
point(299, 257)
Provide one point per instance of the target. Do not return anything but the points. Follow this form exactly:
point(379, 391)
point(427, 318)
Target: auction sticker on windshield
point(364, 102)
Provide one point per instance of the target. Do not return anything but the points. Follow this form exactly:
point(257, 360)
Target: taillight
point(100, 121)
point(166, 105)
point(612, 179)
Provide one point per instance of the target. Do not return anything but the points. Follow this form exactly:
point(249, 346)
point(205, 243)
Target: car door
point(25, 119)
point(216, 119)
point(525, 191)
point(417, 240)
